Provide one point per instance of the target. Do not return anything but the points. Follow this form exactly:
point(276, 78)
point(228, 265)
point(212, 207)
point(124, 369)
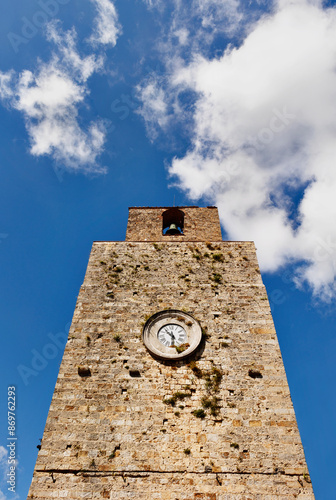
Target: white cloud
point(107, 27)
point(3, 470)
point(204, 19)
point(49, 99)
point(187, 28)
point(265, 135)
point(51, 96)
point(155, 108)
point(153, 3)
point(211, 11)
point(5, 85)
point(71, 61)
point(3, 455)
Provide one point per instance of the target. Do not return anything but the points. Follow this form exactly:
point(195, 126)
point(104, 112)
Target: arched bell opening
point(172, 222)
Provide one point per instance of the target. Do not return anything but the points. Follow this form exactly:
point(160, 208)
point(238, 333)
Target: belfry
point(172, 385)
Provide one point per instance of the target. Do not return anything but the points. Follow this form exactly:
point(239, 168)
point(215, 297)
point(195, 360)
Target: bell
point(173, 229)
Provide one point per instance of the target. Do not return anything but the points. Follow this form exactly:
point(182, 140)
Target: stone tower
point(172, 385)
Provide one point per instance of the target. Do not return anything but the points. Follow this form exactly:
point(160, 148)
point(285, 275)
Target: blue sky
point(106, 105)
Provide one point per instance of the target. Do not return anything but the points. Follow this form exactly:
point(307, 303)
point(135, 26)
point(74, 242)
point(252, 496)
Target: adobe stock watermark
point(277, 296)
point(40, 359)
point(59, 171)
point(325, 249)
point(122, 108)
point(30, 27)
point(12, 438)
point(126, 103)
point(280, 120)
point(230, 169)
point(3, 236)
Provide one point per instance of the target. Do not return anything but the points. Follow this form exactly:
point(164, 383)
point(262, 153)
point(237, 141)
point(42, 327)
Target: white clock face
point(172, 335)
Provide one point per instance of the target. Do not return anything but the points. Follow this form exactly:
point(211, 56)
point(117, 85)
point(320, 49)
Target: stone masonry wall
point(111, 434)
point(200, 224)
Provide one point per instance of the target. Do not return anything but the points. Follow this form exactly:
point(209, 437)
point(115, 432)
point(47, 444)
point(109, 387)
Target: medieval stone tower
point(172, 385)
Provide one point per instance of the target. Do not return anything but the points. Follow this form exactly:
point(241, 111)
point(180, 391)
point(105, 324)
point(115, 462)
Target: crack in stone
point(139, 473)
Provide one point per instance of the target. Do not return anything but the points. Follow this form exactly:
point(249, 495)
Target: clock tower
point(172, 385)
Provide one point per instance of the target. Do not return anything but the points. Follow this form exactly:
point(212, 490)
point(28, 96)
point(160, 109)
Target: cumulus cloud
point(154, 109)
point(5, 85)
point(107, 27)
point(81, 68)
point(189, 28)
point(153, 3)
point(3, 460)
point(49, 99)
point(3, 470)
point(210, 11)
point(264, 141)
point(204, 18)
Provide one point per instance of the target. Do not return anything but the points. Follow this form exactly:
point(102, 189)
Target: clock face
point(172, 335)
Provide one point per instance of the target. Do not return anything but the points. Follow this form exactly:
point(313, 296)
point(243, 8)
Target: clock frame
point(177, 350)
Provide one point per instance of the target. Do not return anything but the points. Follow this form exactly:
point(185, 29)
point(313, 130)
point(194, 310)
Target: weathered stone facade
point(200, 224)
point(123, 425)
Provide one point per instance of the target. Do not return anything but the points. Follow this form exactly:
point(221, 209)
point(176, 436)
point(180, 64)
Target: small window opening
point(172, 222)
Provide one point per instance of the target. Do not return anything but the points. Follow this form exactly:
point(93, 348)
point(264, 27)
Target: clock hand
point(172, 336)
